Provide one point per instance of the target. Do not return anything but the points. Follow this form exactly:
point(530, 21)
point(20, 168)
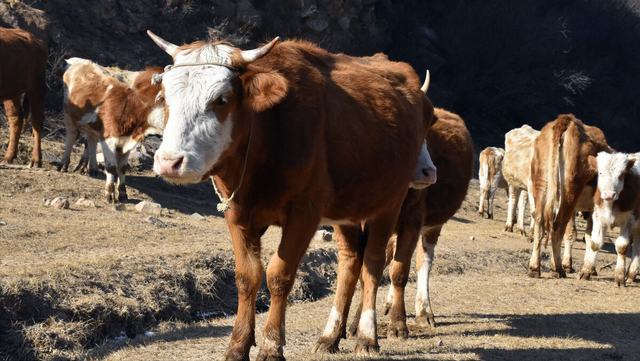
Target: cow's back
point(23, 60)
point(451, 150)
point(516, 164)
point(354, 125)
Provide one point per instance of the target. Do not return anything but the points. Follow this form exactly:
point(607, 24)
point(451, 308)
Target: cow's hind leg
point(350, 240)
point(246, 246)
point(569, 238)
point(634, 268)
point(13, 109)
point(123, 160)
point(71, 134)
point(408, 235)
point(302, 223)
point(424, 263)
point(36, 104)
point(522, 206)
point(111, 168)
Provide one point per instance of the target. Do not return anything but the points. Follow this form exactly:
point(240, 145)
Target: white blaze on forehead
point(610, 168)
point(193, 130)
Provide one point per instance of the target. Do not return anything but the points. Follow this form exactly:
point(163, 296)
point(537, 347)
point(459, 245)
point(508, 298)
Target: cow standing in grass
point(106, 109)
point(294, 136)
point(490, 177)
point(23, 61)
point(563, 170)
point(617, 203)
point(423, 214)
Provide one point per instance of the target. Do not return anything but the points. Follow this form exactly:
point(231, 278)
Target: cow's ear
point(264, 89)
point(593, 167)
point(632, 161)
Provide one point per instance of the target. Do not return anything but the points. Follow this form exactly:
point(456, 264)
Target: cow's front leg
point(424, 263)
point(111, 169)
point(302, 223)
point(511, 209)
point(349, 240)
point(593, 244)
point(123, 160)
point(246, 246)
point(522, 206)
point(634, 268)
point(622, 247)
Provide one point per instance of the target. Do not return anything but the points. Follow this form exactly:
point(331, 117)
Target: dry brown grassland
point(72, 281)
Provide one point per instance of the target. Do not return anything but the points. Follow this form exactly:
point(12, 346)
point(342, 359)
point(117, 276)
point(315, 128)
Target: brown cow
point(424, 212)
point(110, 111)
point(516, 166)
point(490, 177)
point(563, 166)
point(294, 136)
point(23, 63)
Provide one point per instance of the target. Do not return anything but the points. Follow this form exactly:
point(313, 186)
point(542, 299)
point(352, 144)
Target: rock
point(149, 207)
point(27, 190)
point(196, 217)
point(86, 203)
point(60, 203)
point(472, 238)
point(323, 235)
point(3, 223)
point(156, 222)
point(46, 202)
point(318, 25)
point(119, 207)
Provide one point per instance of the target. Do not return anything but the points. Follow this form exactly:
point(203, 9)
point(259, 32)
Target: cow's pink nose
point(168, 167)
point(608, 195)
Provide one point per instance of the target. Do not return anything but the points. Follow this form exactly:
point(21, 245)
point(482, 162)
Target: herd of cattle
point(294, 136)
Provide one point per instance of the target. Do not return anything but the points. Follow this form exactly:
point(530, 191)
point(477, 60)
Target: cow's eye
point(222, 100)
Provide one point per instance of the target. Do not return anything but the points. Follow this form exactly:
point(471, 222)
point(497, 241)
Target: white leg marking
point(333, 324)
point(367, 325)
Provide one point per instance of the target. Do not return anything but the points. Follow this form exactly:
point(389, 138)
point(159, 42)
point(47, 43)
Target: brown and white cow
point(562, 168)
point(424, 212)
point(23, 61)
point(516, 167)
point(105, 109)
point(617, 203)
point(490, 177)
point(294, 136)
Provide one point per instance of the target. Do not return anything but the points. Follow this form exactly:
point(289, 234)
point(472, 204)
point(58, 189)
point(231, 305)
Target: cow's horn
point(249, 56)
point(165, 45)
point(427, 80)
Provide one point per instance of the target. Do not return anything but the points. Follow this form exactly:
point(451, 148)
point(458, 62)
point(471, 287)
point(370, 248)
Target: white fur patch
point(367, 325)
point(333, 324)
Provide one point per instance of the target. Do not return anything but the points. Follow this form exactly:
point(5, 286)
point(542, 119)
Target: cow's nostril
point(177, 164)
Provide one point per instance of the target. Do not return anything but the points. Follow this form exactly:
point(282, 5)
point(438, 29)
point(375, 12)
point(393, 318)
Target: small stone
point(27, 190)
point(60, 203)
point(472, 238)
point(440, 343)
point(86, 203)
point(46, 202)
point(3, 223)
point(196, 217)
point(322, 235)
point(156, 222)
point(149, 207)
point(119, 207)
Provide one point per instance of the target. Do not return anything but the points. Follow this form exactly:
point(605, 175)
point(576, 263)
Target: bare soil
point(101, 284)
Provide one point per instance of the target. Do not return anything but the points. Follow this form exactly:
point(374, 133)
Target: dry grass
point(71, 279)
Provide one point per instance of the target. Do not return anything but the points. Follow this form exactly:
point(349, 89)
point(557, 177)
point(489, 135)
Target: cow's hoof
point(366, 347)
point(425, 321)
point(558, 274)
point(631, 279)
point(122, 197)
point(326, 345)
point(508, 228)
point(568, 269)
point(620, 281)
point(534, 273)
point(93, 173)
point(35, 163)
point(263, 355)
point(353, 329)
point(398, 329)
point(584, 275)
point(63, 168)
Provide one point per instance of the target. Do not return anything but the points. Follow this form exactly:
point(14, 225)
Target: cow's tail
point(555, 175)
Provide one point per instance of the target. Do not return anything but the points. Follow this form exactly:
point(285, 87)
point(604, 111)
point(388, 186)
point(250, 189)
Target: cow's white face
point(198, 94)
point(611, 171)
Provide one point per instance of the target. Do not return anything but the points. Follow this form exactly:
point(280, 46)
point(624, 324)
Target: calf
point(424, 212)
point(112, 112)
point(617, 203)
point(295, 136)
point(22, 71)
point(490, 176)
point(516, 167)
point(562, 166)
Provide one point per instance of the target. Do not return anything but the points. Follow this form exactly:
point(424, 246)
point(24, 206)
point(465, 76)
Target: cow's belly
point(585, 201)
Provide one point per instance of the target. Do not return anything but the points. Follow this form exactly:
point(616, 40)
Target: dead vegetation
point(96, 283)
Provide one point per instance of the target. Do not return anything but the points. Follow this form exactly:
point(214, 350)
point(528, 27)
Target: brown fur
point(22, 71)
point(334, 137)
point(451, 150)
point(562, 165)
